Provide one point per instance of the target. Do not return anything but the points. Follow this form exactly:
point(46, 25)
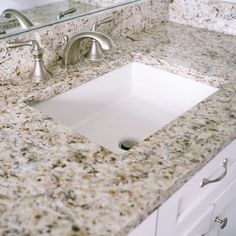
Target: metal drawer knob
point(208, 181)
point(222, 222)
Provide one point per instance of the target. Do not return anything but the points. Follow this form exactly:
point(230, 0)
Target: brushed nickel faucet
point(25, 23)
point(40, 72)
point(95, 52)
point(71, 53)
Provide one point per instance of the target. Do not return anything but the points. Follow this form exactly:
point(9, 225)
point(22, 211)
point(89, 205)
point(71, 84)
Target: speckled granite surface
point(53, 181)
point(128, 19)
point(216, 15)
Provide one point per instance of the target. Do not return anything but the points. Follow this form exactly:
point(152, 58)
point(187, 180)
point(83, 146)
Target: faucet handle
point(16, 44)
point(36, 49)
point(95, 51)
point(67, 12)
point(104, 21)
point(39, 72)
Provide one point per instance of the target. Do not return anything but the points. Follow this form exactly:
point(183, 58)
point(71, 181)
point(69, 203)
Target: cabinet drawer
point(192, 190)
point(224, 209)
point(197, 208)
point(191, 201)
point(202, 225)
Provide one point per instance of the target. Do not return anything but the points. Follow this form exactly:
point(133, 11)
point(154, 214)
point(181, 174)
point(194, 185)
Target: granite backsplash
point(128, 19)
point(215, 15)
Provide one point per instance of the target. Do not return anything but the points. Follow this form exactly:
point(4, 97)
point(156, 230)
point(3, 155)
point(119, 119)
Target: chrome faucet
point(40, 72)
point(71, 53)
point(25, 23)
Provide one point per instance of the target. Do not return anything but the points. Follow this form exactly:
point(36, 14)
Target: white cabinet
point(225, 212)
point(147, 227)
point(202, 225)
point(192, 210)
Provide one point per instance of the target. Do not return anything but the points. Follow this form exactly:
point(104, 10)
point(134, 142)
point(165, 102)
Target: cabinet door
point(202, 225)
point(225, 208)
point(188, 205)
point(147, 227)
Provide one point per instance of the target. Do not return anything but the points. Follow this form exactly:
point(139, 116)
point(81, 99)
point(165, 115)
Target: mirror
point(18, 16)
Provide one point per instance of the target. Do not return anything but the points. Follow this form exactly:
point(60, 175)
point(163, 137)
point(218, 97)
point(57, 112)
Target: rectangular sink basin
point(126, 105)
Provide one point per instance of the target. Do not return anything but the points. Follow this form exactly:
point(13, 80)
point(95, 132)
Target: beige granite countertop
point(53, 181)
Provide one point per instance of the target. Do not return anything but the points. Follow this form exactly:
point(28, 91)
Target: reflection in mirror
point(25, 23)
point(21, 15)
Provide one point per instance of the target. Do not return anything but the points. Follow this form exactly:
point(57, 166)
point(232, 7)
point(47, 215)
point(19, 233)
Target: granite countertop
point(53, 181)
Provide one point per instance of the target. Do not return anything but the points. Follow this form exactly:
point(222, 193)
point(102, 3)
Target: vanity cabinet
point(224, 217)
point(201, 208)
point(147, 227)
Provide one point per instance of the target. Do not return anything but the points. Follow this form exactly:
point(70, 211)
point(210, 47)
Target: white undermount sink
point(125, 105)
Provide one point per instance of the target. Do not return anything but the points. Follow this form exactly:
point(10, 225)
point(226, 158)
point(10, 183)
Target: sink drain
point(127, 144)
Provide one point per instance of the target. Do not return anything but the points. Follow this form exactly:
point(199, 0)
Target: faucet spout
point(71, 54)
point(25, 23)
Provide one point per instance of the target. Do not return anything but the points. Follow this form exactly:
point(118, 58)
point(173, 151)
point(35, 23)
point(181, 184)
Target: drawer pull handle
point(207, 181)
point(222, 222)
